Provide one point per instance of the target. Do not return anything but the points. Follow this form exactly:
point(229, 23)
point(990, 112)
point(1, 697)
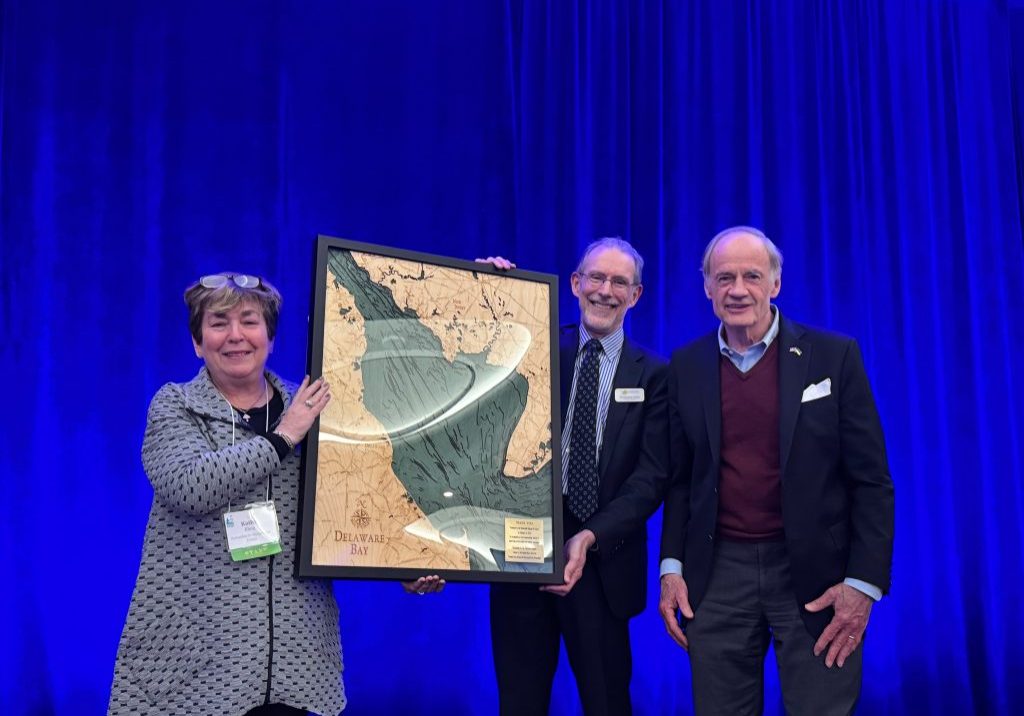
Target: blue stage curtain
point(879, 143)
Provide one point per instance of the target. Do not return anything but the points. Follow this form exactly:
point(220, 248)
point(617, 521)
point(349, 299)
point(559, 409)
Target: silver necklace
point(265, 398)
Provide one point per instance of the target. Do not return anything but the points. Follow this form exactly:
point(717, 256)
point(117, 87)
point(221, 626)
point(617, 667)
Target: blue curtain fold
point(879, 143)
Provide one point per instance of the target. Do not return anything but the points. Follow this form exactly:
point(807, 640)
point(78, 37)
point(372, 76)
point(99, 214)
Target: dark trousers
point(275, 710)
point(526, 628)
point(750, 602)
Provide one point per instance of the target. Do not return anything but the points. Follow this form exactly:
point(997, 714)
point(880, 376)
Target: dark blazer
point(632, 468)
point(837, 495)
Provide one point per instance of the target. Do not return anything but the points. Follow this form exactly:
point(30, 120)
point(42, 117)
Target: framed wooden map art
point(439, 452)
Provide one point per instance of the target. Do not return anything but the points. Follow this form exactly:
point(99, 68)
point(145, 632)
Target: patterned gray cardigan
point(205, 635)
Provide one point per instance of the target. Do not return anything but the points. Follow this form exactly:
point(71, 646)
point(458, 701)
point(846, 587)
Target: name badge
point(629, 395)
point(253, 532)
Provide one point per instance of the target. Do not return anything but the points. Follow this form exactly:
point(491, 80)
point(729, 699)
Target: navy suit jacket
point(837, 494)
point(632, 469)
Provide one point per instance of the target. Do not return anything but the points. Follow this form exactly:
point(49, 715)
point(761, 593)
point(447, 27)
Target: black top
point(256, 420)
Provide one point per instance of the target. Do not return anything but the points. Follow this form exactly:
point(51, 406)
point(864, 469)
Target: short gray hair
point(615, 242)
point(774, 255)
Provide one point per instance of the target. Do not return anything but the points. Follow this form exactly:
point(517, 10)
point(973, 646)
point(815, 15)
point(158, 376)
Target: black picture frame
point(445, 408)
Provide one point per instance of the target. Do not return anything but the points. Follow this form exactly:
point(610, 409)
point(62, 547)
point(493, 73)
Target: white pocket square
point(817, 390)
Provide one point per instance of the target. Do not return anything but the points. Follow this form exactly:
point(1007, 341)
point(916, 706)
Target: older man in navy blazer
point(608, 499)
point(779, 518)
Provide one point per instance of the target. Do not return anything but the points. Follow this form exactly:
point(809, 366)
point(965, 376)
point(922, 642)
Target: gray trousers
point(749, 603)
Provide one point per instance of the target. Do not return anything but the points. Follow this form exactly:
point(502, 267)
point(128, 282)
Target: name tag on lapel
point(629, 395)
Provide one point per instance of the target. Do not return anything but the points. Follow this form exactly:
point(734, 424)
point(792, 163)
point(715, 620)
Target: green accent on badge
point(260, 550)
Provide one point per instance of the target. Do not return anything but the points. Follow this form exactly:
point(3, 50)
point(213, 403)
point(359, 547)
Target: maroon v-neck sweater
point(750, 489)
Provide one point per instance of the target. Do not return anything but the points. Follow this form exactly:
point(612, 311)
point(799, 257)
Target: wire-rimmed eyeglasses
point(596, 279)
point(241, 280)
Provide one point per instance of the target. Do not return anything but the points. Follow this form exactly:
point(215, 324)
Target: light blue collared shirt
point(744, 361)
point(747, 359)
point(609, 361)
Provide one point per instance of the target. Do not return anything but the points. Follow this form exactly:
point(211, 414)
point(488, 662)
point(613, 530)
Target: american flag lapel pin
point(796, 350)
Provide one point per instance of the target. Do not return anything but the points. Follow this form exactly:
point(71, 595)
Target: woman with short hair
point(218, 623)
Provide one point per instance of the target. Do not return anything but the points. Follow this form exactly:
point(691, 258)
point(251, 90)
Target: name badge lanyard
point(252, 532)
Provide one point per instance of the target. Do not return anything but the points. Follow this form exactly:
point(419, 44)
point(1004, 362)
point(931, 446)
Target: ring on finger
point(308, 403)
